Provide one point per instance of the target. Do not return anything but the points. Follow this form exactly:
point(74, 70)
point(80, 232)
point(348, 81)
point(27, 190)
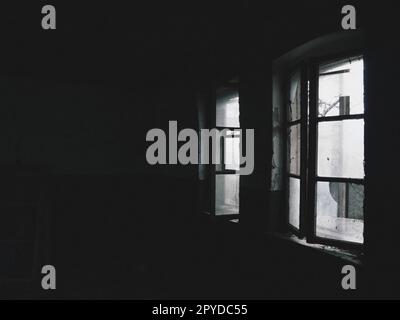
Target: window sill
point(349, 256)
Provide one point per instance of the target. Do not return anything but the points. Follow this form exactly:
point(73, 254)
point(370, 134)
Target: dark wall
point(382, 154)
point(76, 106)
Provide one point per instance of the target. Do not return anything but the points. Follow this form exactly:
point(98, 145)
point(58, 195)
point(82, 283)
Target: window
point(325, 151)
point(227, 179)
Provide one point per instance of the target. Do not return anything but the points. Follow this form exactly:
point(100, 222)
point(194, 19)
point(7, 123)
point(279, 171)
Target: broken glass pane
point(340, 211)
point(294, 149)
point(341, 149)
point(294, 112)
point(227, 194)
point(341, 88)
point(294, 202)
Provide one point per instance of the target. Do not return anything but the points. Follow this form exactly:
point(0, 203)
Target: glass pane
point(227, 108)
point(341, 149)
point(227, 194)
point(341, 88)
point(294, 149)
point(340, 211)
point(294, 97)
point(232, 153)
point(294, 202)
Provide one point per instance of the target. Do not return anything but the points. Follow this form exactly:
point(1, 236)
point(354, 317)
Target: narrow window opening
point(227, 178)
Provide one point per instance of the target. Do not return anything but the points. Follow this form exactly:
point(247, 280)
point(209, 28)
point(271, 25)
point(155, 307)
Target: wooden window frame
point(309, 120)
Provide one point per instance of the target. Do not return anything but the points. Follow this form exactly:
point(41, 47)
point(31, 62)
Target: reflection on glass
point(227, 107)
point(341, 88)
point(294, 202)
point(294, 97)
point(341, 149)
point(294, 149)
point(340, 211)
point(227, 194)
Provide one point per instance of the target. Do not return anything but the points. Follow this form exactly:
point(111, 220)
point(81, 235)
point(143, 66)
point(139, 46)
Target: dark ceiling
point(157, 42)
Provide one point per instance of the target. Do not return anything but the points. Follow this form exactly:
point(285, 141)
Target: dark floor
point(109, 241)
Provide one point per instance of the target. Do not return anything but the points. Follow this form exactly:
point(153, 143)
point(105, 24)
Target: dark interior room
point(82, 103)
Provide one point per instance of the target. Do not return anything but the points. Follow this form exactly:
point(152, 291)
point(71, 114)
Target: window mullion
point(303, 150)
point(312, 152)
